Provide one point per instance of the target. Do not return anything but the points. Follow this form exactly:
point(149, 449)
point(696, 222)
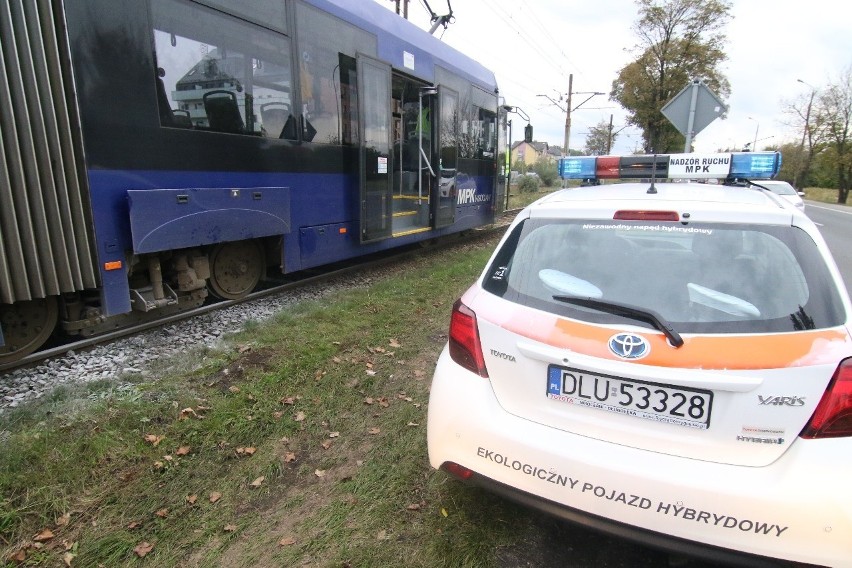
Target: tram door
point(375, 167)
point(444, 208)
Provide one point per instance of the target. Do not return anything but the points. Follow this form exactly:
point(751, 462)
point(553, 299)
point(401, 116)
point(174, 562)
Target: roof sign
point(739, 165)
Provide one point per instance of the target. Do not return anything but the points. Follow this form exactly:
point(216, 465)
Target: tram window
point(478, 136)
point(449, 130)
point(327, 75)
point(220, 73)
point(487, 146)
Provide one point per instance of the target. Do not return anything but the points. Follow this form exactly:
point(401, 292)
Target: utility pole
point(404, 8)
point(568, 113)
point(609, 137)
point(568, 110)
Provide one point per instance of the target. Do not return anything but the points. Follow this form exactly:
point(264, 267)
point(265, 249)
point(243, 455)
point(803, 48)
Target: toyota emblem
point(629, 345)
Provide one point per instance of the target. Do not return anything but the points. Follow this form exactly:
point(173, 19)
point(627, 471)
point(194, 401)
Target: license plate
point(652, 401)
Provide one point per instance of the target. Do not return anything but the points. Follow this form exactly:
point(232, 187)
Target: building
point(531, 152)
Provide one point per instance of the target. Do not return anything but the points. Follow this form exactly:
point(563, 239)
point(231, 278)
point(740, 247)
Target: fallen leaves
point(186, 413)
point(258, 482)
point(153, 439)
point(44, 536)
point(143, 549)
point(215, 496)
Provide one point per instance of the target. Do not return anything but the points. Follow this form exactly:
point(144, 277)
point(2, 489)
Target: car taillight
point(465, 347)
point(833, 416)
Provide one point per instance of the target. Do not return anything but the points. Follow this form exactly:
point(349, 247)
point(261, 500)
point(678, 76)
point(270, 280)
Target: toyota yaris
point(666, 362)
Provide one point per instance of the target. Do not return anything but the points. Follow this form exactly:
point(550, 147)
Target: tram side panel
point(164, 192)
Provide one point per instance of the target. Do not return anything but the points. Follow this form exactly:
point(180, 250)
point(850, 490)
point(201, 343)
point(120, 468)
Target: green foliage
point(823, 172)
point(528, 184)
point(547, 172)
point(679, 40)
point(598, 141)
point(835, 111)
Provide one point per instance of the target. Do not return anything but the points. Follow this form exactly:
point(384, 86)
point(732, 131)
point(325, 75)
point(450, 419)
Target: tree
point(834, 111)
point(600, 139)
point(679, 40)
point(791, 162)
point(805, 118)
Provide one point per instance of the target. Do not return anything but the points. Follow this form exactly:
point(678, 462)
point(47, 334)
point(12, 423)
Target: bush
point(547, 172)
point(528, 184)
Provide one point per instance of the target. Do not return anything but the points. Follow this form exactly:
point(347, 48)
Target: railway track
point(304, 280)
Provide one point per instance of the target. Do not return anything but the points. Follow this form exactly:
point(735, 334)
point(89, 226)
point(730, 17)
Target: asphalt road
point(835, 224)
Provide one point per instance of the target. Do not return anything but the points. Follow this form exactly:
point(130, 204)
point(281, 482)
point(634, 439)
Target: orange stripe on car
point(732, 352)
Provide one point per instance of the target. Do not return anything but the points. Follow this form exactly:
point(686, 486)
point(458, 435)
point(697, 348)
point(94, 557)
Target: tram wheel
point(26, 326)
point(235, 269)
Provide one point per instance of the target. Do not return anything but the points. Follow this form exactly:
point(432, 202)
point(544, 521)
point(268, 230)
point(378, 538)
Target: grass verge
point(300, 442)
point(519, 200)
point(821, 194)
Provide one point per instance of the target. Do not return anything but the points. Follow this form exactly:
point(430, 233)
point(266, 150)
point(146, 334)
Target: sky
point(533, 46)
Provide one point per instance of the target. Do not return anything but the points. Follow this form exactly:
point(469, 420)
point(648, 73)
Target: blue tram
point(157, 151)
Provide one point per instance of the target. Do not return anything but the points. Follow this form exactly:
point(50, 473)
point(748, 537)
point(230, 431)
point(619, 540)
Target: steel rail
point(407, 252)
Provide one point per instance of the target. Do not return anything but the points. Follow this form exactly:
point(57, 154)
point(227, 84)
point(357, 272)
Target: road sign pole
point(692, 109)
point(691, 123)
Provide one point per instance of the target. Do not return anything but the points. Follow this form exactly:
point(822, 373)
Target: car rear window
point(781, 188)
point(706, 278)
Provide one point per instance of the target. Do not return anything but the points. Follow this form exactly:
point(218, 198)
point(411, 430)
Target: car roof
point(702, 201)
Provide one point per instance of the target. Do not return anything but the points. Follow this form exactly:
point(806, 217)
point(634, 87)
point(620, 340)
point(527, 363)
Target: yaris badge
point(629, 346)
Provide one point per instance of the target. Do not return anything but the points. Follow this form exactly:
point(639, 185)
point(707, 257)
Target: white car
point(785, 190)
point(666, 362)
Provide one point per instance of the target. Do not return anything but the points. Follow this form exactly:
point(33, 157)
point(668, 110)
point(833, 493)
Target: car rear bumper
point(796, 509)
point(643, 537)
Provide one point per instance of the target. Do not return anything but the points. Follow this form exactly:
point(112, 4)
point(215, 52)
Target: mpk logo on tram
point(629, 346)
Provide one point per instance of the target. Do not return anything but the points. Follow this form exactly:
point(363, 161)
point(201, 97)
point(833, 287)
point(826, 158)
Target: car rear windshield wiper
point(633, 312)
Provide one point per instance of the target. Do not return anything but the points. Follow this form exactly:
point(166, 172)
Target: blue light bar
point(723, 166)
point(755, 165)
point(577, 168)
